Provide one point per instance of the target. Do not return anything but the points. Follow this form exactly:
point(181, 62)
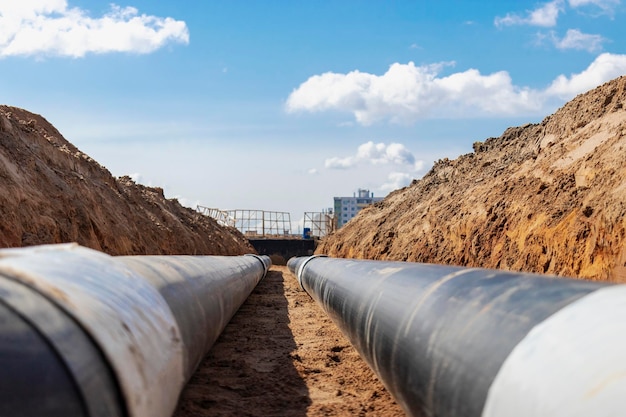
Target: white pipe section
point(127, 317)
point(571, 364)
point(151, 318)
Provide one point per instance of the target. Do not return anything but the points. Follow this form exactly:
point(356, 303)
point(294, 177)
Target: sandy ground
point(281, 355)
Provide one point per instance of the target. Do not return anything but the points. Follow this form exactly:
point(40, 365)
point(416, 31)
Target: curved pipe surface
point(203, 293)
point(86, 334)
point(451, 341)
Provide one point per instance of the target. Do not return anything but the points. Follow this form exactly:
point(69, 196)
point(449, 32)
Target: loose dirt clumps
point(547, 198)
point(281, 355)
point(52, 192)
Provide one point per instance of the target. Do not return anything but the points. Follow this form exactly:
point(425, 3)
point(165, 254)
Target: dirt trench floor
point(280, 355)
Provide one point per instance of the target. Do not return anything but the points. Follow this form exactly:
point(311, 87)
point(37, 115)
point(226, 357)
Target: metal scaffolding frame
point(252, 222)
point(220, 216)
point(319, 223)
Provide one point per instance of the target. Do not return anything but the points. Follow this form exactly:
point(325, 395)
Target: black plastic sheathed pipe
point(86, 334)
point(460, 342)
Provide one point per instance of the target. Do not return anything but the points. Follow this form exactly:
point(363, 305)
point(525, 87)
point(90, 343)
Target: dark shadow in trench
point(249, 370)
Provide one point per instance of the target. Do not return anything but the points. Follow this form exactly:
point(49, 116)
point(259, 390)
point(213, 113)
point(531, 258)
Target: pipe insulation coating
point(460, 342)
point(86, 334)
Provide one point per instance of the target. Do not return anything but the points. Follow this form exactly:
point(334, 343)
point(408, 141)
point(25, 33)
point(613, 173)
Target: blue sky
point(281, 105)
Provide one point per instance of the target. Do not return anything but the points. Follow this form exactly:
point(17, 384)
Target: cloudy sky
point(281, 105)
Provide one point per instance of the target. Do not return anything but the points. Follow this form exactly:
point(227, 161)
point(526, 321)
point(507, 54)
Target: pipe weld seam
point(300, 270)
point(265, 267)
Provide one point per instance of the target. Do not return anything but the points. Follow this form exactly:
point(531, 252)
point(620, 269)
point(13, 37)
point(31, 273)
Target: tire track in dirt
point(280, 355)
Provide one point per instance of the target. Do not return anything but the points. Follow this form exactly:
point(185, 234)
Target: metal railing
point(319, 224)
point(252, 223)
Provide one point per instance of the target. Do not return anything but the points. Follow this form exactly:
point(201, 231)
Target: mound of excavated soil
point(547, 198)
point(280, 355)
point(51, 192)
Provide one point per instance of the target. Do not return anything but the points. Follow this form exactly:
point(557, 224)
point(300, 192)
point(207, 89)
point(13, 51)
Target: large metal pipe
point(86, 334)
point(451, 341)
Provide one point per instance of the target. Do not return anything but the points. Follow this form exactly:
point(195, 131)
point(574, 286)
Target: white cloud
point(579, 3)
point(605, 67)
point(606, 6)
point(544, 16)
point(406, 93)
point(547, 15)
point(380, 153)
point(377, 160)
point(136, 177)
point(575, 39)
point(340, 163)
point(52, 28)
point(396, 180)
point(374, 153)
point(419, 165)
point(187, 202)
point(313, 171)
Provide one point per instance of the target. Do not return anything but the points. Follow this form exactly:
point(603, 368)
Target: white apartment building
point(347, 207)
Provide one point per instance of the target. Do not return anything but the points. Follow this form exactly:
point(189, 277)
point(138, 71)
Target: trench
point(280, 355)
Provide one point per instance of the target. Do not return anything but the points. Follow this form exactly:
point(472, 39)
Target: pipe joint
point(300, 269)
point(264, 259)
